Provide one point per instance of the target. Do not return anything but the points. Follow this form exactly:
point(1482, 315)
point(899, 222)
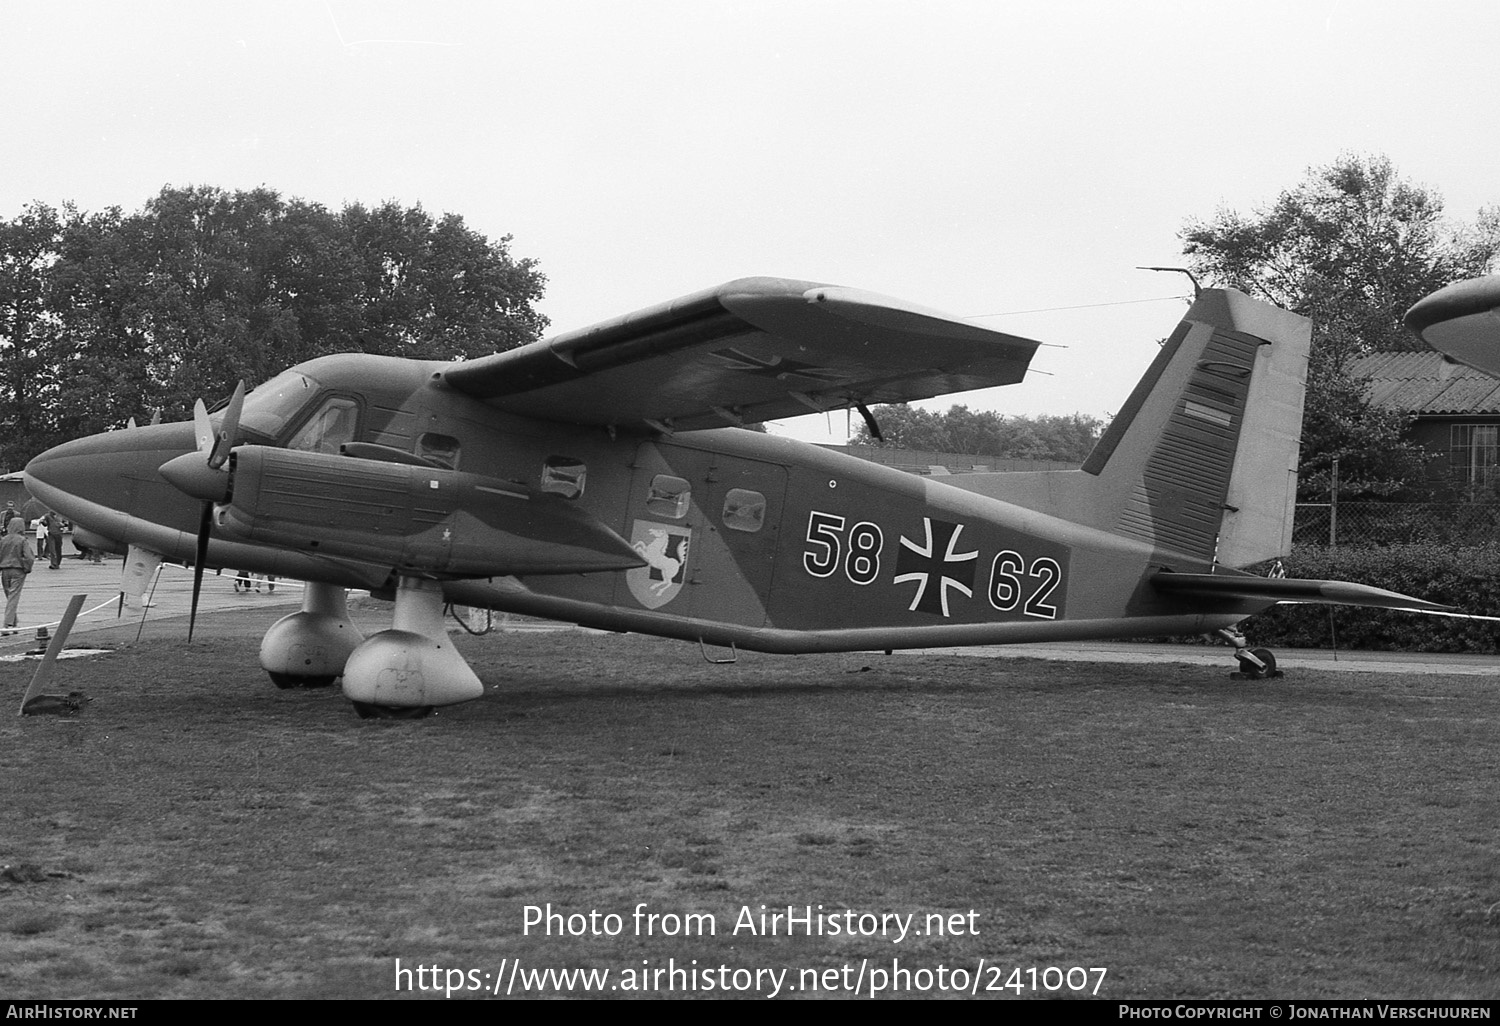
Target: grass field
point(196, 833)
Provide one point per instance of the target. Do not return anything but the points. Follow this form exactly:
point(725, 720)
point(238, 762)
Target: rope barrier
point(33, 628)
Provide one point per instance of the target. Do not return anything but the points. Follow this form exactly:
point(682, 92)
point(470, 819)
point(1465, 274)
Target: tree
point(99, 370)
point(1352, 248)
point(434, 289)
point(982, 433)
point(109, 316)
point(28, 249)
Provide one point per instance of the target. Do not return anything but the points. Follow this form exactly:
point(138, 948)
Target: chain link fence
point(1370, 524)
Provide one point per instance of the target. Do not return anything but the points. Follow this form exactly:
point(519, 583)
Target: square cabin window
point(669, 497)
point(744, 510)
point(565, 476)
point(441, 450)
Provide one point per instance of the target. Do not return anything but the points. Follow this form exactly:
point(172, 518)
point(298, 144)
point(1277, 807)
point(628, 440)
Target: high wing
point(751, 350)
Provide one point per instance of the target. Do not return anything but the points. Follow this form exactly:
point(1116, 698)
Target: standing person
point(15, 563)
point(39, 525)
point(5, 518)
point(54, 540)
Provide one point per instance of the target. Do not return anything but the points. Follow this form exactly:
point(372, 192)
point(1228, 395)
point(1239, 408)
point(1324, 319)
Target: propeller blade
point(204, 525)
point(229, 428)
point(203, 429)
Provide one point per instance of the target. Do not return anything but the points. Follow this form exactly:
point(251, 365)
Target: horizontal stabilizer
point(1286, 589)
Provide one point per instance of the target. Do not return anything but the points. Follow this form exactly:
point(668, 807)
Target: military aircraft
point(1462, 321)
point(602, 477)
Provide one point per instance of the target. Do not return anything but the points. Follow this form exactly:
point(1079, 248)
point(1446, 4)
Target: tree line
point(958, 429)
point(110, 316)
point(1352, 247)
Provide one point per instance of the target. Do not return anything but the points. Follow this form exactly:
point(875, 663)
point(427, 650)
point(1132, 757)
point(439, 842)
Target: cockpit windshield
point(273, 404)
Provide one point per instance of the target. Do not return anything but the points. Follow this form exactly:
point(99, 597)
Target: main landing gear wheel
point(370, 711)
point(288, 681)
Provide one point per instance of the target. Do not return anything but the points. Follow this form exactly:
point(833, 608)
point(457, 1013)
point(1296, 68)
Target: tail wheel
point(1248, 667)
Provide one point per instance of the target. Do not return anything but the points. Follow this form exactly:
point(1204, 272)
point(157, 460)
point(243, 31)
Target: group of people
point(244, 580)
point(49, 539)
point(17, 559)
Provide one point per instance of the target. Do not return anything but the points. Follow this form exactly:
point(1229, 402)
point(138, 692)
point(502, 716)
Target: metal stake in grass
point(44, 671)
point(146, 605)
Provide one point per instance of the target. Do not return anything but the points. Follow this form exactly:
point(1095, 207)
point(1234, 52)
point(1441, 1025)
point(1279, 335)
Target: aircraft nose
point(104, 470)
point(73, 468)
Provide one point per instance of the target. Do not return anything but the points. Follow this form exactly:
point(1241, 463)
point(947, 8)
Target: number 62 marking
point(1006, 588)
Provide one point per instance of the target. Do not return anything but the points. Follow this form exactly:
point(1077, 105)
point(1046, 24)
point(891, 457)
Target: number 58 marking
point(861, 561)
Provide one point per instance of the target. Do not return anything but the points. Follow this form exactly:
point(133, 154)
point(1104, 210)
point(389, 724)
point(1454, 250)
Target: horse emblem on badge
point(664, 547)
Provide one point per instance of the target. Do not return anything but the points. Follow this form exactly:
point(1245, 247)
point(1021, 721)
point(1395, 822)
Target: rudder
point(1202, 459)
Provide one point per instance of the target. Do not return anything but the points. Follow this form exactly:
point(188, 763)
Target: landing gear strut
point(1255, 663)
point(405, 671)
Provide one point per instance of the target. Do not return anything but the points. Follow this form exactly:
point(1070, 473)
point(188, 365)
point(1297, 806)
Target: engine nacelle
point(425, 518)
point(83, 538)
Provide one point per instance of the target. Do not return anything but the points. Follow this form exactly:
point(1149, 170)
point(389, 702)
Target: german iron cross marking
point(936, 566)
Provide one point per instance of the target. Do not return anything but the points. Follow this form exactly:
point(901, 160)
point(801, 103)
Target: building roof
point(1426, 383)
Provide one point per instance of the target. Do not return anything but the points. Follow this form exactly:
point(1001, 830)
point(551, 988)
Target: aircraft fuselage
point(726, 535)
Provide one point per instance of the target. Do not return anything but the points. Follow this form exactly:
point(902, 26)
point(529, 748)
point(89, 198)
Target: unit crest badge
point(664, 547)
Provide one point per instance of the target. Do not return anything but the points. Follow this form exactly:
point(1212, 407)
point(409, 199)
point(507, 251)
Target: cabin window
point(669, 497)
point(744, 510)
point(333, 425)
point(565, 476)
point(1474, 454)
point(441, 450)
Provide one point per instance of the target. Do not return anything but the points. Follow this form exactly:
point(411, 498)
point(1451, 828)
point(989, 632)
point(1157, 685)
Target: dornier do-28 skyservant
point(599, 477)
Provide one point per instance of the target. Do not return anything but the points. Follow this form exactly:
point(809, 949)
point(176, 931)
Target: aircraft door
point(707, 525)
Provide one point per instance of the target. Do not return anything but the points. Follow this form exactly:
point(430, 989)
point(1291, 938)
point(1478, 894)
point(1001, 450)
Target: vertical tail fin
point(1202, 459)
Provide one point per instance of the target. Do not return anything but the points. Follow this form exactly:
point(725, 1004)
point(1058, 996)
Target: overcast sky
point(983, 158)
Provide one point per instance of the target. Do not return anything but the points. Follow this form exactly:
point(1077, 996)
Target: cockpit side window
point(334, 423)
point(276, 403)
